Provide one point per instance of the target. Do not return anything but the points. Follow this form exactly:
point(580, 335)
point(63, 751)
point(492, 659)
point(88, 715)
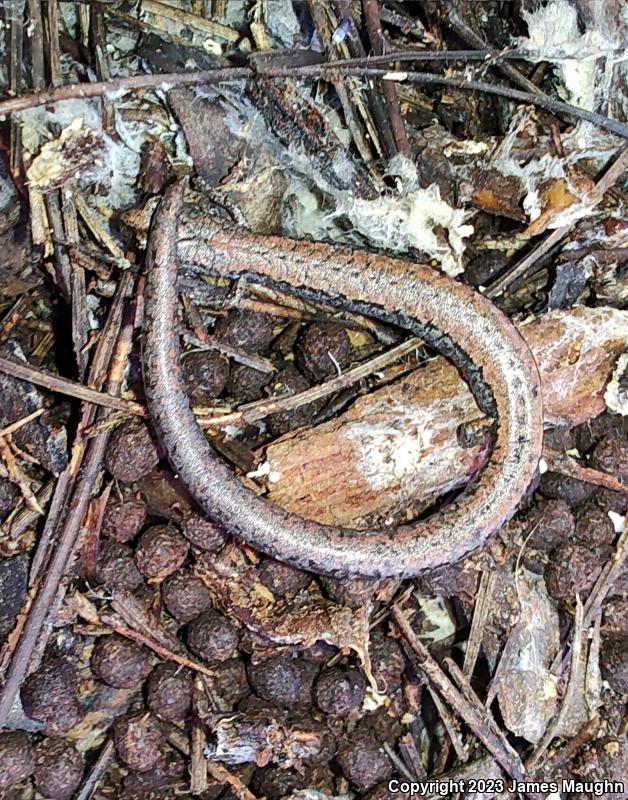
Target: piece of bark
point(576, 352)
point(208, 126)
point(397, 448)
point(19, 268)
point(13, 585)
point(264, 740)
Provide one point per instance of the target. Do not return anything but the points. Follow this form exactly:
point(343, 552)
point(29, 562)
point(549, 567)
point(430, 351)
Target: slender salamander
point(459, 322)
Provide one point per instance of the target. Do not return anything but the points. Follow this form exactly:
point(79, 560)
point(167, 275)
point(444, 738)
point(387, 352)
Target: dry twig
point(606, 182)
point(97, 772)
point(334, 71)
point(55, 383)
point(473, 714)
point(483, 602)
point(566, 465)
point(259, 409)
point(89, 457)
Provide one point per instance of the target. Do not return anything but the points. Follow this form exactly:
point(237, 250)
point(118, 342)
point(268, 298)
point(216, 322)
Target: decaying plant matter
point(327, 149)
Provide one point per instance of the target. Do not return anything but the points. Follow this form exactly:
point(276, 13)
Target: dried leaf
point(555, 197)
point(527, 691)
point(76, 153)
point(301, 621)
point(499, 194)
point(586, 697)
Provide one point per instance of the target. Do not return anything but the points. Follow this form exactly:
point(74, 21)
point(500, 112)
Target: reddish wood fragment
point(397, 448)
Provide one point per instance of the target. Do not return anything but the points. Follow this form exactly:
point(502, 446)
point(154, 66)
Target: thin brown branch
point(134, 625)
point(163, 652)
point(411, 754)
point(353, 45)
point(99, 370)
point(475, 718)
point(378, 43)
point(36, 44)
point(101, 62)
point(398, 763)
point(563, 756)
point(430, 78)
point(252, 360)
point(469, 694)
point(450, 725)
point(248, 413)
point(47, 594)
point(15, 25)
point(80, 327)
point(357, 116)
point(506, 657)
point(351, 319)
point(483, 602)
point(135, 83)
point(55, 383)
point(469, 36)
point(100, 230)
point(607, 578)
point(9, 468)
point(598, 593)
point(97, 772)
point(566, 465)
point(15, 426)
point(520, 269)
point(299, 314)
point(334, 71)
point(262, 408)
point(142, 629)
point(63, 267)
point(53, 49)
point(198, 742)
point(607, 181)
point(21, 519)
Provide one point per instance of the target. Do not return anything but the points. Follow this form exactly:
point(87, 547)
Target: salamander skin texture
point(390, 289)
